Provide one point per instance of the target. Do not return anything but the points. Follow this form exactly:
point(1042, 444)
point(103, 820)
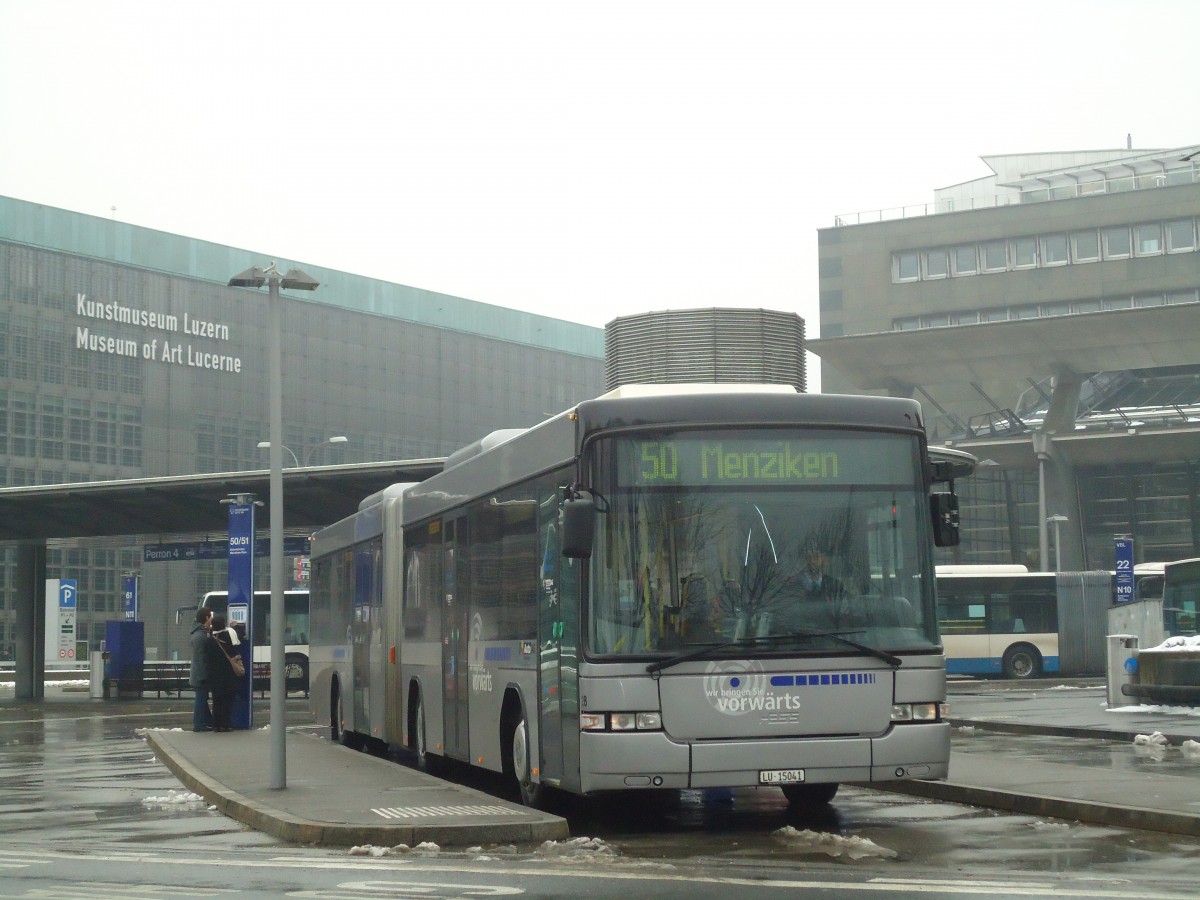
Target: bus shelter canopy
point(312, 497)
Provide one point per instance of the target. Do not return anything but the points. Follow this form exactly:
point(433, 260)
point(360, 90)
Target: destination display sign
point(175, 552)
point(739, 459)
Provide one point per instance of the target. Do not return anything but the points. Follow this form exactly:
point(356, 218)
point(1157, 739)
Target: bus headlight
point(620, 721)
point(592, 721)
point(916, 712)
point(925, 712)
point(649, 721)
point(624, 721)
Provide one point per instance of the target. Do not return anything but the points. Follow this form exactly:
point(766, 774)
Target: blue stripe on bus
point(823, 680)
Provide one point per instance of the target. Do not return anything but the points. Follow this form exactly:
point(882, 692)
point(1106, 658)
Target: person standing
point(202, 719)
point(223, 682)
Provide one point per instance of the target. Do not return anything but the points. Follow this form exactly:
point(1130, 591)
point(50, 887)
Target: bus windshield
point(709, 537)
point(295, 612)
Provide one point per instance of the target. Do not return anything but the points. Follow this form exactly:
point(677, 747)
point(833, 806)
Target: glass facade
point(111, 371)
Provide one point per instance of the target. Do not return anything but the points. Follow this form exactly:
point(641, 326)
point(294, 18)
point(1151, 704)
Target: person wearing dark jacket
point(202, 719)
point(223, 682)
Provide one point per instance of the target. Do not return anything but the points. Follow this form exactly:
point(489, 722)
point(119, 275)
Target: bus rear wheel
point(335, 715)
point(338, 732)
point(809, 794)
point(1021, 661)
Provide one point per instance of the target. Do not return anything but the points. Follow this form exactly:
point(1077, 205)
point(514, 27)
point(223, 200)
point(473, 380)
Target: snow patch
point(1156, 708)
point(1179, 643)
point(831, 844)
point(1158, 739)
point(1050, 826)
point(424, 848)
point(576, 848)
point(176, 799)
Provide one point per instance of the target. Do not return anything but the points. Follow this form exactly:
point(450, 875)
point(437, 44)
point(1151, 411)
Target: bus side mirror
point(578, 526)
point(943, 507)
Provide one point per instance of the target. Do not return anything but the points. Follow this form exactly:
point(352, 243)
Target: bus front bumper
point(624, 761)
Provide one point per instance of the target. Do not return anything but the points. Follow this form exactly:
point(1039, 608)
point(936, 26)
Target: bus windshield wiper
point(769, 640)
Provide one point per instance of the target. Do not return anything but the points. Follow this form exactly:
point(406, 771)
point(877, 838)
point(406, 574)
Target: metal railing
point(1012, 197)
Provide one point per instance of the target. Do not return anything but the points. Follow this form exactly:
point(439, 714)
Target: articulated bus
point(1006, 620)
point(998, 620)
point(616, 599)
point(295, 622)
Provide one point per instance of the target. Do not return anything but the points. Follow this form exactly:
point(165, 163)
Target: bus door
point(558, 627)
point(360, 637)
point(455, 633)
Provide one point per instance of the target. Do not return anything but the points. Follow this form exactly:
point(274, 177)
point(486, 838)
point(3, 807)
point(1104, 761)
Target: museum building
point(124, 353)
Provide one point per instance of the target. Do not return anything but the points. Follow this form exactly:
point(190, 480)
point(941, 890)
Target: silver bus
point(625, 597)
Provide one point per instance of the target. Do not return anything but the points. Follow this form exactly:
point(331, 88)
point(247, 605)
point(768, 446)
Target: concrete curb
point(271, 820)
point(1065, 731)
point(232, 804)
point(1053, 807)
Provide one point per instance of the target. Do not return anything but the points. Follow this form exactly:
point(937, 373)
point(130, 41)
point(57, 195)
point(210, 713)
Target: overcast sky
point(581, 160)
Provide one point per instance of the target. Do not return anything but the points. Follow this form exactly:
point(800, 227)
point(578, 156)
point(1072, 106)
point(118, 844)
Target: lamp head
point(296, 280)
point(254, 277)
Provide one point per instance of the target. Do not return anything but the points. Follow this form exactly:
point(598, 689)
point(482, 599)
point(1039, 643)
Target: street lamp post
point(294, 279)
point(1056, 520)
point(1041, 447)
point(336, 439)
point(266, 445)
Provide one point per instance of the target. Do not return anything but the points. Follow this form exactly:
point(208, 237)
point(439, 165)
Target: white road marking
point(1023, 888)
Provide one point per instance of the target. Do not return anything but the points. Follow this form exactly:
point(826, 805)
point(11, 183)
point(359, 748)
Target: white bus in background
point(998, 620)
point(1181, 596)
point(616, 599)
point(1005, 620)
point(295, 630)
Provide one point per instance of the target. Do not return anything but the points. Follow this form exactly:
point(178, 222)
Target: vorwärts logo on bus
point(738, 687)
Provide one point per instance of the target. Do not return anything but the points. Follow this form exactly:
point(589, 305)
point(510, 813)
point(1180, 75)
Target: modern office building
point(125, 354)
point(1048, 318)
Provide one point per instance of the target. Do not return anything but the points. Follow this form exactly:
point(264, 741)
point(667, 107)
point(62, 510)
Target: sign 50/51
point(239, 540)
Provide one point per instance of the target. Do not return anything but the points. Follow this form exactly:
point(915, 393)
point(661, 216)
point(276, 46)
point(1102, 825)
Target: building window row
point(1042, 310)
point(1046, 250)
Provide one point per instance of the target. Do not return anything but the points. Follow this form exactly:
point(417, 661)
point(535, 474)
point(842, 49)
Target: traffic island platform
point(1061, 752)
point(336, 796)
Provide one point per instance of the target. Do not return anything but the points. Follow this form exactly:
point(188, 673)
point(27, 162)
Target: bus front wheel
point(427, 762)
point(517, 765)
point(1021, 661)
